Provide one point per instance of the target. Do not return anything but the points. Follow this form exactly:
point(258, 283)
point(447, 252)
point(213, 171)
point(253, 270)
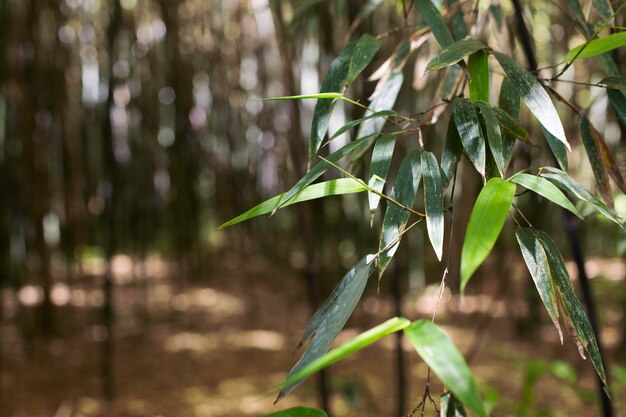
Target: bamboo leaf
point(454, 53)
point(433, 202)
point(451, 154)
point(334, 81)
point(435, 22)
point(618, 103)
point(616, 83)
point(451, 407)
point(440, 354)
point(404, 191)
point(298, 412)
point(597, 46)
point(588, 134)
point(494, 136)
point(450, 81)
point(558, 149)
point(539, 268)
point(379, 167)
point(486, 221)
point(534, 95)
point(459, 28)
point(364, 51)
point(510, 126)
point(574, 311)
point(545, 189)
point(604, 8)
point(468, 126)
point(509, 106)
point(343, 129)
point(323, 189)
point(330, 318)
point(478, 67)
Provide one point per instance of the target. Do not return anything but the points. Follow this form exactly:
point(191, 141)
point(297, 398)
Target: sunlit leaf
point(539, 268)
point(334, 81)
point(454, 53)
point(352, 123)
point(618, 103)
point(298, 412)
point(404, 191)
point(545, 189)
point(616, 83)
point(574, 311)
point(468, 126)
point(451, 154)
point(588, 134)
point(330, 318)
point(534, 95)
point(434, 20)
point(379, 167)
point(323, 189)
point(433, 202)
point(494, 136)
point(486, 221)
point(478, 67)
point(364, 51)
point(440, 354)
point(597, 46)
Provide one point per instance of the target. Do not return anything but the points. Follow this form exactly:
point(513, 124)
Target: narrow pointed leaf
point(298, 412)
point(616, 83)
point(609, 161)
point(496, 12)
point(323, 189)
point(334, 81)
point(440, 354)
point(433, 202)
point(600, 172)
point(459, 28)
point(454, 53)
point(597, 46)
point(545, 189)
point(353, 345)
point(451, 407)
point(534, 95)
point(468, 126)
point(434, 20)
point(604, 8)
point(558, 149)
point(404, 191)
point(539, 268)
point(494, 135)
point(574, 310)
point(567, 183)
point(381, 160)
point(343, 129)
point(450, 81)
point(478, 67)
point(510, 126)
point(451, 154)
point(364, 51)
point(618, 103)
point(486, 221)
point(326, 324)
point(509, 104)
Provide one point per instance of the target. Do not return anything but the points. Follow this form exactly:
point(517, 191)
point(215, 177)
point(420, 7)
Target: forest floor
point(218, 349)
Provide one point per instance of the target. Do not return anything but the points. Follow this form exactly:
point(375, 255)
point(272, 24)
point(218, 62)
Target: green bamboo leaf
point(545, 189)
point(509, 109)
point(539, 268)
point(334, 81)
point(433, 202)
point(597, 46)
point(379, 167)
point(588, 134)
point(404, 191)
point(434, 20)
point(558, 149)
point(616, 83)
point(618, 103)
point(510, 126)
point(494, 135)
point(343, 129)
point(317, 170)
point(574, 310)
point(486, 221)
point(468, 126)
point(364, 51)
point(457, 21)
point(454, 53)
point(330, 318)
point(298, 412)
point(440, 354)
point(353, 345)
point(496, 12)
point(451, 407)
point(534, 95)
point(323, 189)
point(450, 81)
point(604, 8)
point(451, 154)
point(478, 67)
point(567, 183)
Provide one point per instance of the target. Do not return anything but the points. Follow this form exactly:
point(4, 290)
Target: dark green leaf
point(434, 20)
point(454, 53)
point(298, 412)
point(486, 221)
point(604, 8)
point(574, 310)
point(618, 102)
point(364, 51)
point(600, 172)
point(379, 167)
point(478, 67)
point(450, 81)
point(468, 126)
point(558, 149)
point(343, 129)
point(546, 189)
point(334, 82)
point(616, 83)
point(494, 135)
point(597, 46)
point(534, 95)
point(330, 318)
point(509, 102)
point(496, 12)
point(433, 202)
point(539, 268)
point(451, 154)
point(459, 29)
point(451, 407)
point(323, 189)
point(510, 126)
point(396, 218)
point(440, 354)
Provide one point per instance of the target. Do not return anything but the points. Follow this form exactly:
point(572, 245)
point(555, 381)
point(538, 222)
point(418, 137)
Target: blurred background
point(130, 130)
